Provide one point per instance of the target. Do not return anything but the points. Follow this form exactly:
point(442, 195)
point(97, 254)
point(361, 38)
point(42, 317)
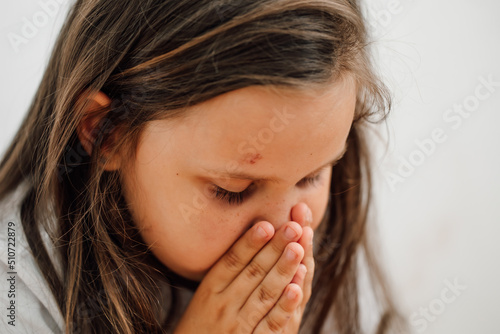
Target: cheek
point(319, 202)
point(185, 230)
point(217, 229)
point(196, 247)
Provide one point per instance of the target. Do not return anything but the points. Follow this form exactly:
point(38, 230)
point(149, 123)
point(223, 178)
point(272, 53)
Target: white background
point(438, 219)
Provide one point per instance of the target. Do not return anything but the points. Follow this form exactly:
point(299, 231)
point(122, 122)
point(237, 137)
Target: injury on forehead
point(251, 158)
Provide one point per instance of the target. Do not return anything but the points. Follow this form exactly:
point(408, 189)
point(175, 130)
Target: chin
point(192, 274)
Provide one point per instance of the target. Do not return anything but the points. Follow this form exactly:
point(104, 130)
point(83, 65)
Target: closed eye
point(229, 196)
point(236, 198)
point(310, 180)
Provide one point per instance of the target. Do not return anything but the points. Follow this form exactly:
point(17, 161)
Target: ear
point(96, 104)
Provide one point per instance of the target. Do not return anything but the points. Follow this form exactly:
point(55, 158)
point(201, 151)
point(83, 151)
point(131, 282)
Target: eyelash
point(237, 198)
point(229, 196)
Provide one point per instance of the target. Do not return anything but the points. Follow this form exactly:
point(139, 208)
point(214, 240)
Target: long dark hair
point(153, 58)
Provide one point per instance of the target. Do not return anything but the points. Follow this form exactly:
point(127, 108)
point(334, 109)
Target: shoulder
point(24, 294)
point(370, 309)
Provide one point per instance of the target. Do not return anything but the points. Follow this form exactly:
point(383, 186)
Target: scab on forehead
point(251, 158)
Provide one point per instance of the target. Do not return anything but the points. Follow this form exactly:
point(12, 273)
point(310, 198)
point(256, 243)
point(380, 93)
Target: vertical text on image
point(11, 274)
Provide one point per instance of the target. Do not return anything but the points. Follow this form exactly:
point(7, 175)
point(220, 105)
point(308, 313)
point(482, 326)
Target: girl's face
point(198, 183)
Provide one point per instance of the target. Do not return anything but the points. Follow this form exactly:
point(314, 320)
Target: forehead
point(259, 128)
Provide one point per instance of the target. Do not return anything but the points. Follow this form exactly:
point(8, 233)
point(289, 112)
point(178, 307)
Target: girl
point(177, 162)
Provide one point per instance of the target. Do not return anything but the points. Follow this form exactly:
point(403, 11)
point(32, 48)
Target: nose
point(280, 213)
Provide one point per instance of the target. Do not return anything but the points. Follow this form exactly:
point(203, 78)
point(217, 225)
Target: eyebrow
point(274, 179)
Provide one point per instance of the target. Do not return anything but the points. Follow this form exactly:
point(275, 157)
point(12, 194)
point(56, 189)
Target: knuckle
point(205, 292)
point(283, 271)
point(255, 270)
point(273, 325)
point(232, 260)
point(286, 308)
point(220, 313)
point(277, 247)
point(265, 296)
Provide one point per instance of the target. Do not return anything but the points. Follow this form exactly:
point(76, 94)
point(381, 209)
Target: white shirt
point(34, 308)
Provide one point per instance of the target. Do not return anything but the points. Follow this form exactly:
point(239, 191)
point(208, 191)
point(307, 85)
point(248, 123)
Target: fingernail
point(290, 255)
point(290, 233)
point(291, 294)
point(303, 268)
point(261, 233)
point(309, 216)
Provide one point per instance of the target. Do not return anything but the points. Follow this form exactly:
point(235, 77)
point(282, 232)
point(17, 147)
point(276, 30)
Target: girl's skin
point(284, 142)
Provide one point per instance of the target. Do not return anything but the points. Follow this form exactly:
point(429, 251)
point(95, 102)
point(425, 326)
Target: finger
point(306, 241)
point(305, 282)
point(260, 266)
point(300, 275)
point(276, 320)
point(301, 214)
point(269, 291)
point(230, 265)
